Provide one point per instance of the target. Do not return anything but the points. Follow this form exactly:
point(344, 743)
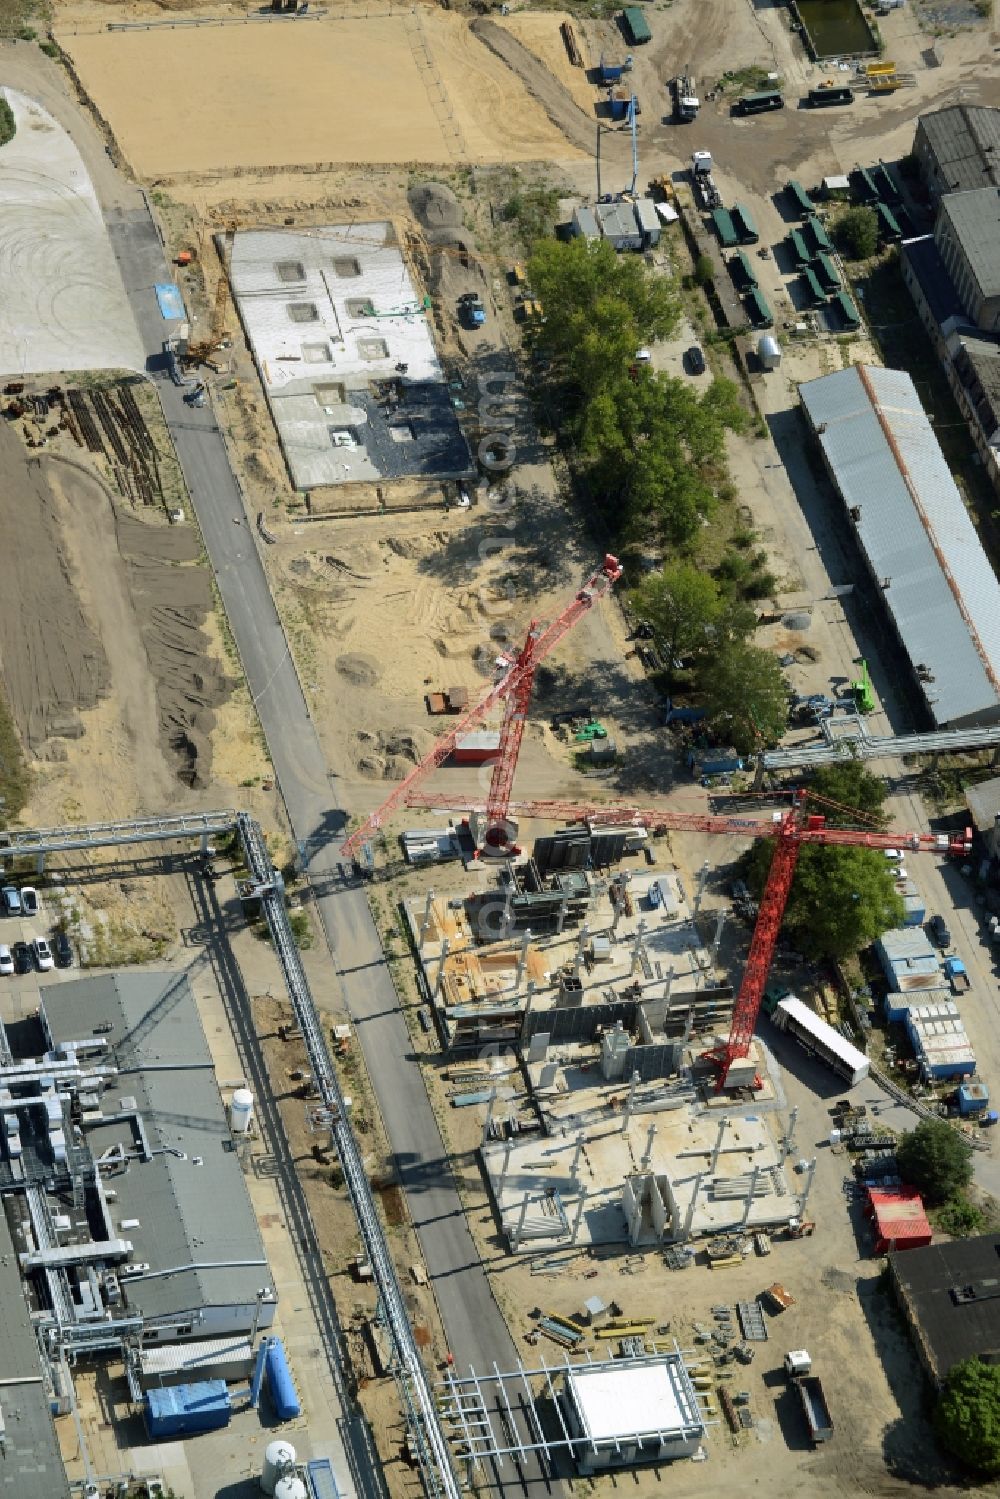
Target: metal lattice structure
point(500, 1415)
point(513, 690)
point(418, 1403)
point(860, 745)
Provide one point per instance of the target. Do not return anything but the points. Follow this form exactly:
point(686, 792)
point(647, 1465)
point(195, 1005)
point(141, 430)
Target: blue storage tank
point(280, 1385)
point(186, 1409)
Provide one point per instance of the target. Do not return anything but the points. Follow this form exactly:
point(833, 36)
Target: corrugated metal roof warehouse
point(937, 583)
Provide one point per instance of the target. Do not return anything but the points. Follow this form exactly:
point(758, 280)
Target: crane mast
point(513, 689)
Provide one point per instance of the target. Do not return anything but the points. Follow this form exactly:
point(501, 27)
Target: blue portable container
point(186, 1409)
point(280, 1385)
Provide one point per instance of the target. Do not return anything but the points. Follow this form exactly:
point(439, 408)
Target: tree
point(683, 604)
point(935, 1158)
point(857, 232)
point(745, 695)
point(854, 789)
point(967, 1419)
point(840, 901)
point(704, 271)
point(599, 309)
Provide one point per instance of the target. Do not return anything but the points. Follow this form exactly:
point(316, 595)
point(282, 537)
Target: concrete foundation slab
point(63, 304)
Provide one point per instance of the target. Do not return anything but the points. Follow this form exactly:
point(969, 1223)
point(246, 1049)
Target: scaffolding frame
point(465, 1402)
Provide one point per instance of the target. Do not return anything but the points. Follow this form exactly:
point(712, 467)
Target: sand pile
point(172, 602)
point(389, 754)
point(54, 666)
point(434, 205)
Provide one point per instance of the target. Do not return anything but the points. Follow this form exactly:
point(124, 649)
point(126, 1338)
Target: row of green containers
point(812, 252)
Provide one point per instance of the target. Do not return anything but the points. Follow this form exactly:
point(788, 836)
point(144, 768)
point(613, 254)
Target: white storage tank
point(241, 1111)
point(291, 1487)
point(279, 1458)
point(768, 351)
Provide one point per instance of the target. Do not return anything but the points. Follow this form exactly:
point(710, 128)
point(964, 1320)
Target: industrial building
point(983, 802)
point(956, 149)
point(627, 224)
point(939, 591)
point(948, 1293)
point(156, 1149)
point(343, 345)
point(125, 1216)
point(31, 1466)
point(898, 1218)
point(564, 953)
point(967, 234)
point(635, 1410)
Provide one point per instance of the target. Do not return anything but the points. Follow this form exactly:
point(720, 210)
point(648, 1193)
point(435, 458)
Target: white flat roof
point(628, 1401)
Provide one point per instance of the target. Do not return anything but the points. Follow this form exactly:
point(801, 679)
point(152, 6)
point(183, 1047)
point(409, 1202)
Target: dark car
point(940, 931)
point(63, 950)
point(695, 360)
point(23, 961)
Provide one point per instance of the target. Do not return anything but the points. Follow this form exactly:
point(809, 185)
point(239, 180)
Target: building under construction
point(566, 955)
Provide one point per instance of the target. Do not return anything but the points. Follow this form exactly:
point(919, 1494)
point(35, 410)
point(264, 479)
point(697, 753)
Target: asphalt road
point(476, 1331)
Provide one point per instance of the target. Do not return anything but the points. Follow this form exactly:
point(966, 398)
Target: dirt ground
point(292, 93)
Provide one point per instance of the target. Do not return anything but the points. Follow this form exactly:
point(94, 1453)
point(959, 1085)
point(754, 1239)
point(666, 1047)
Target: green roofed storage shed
point(826, 271)
point(801, 199)
point(636, 25)
point(758, 310)
point(744, 225)
point(800, 250)
point(723, 223)
point(820, 237)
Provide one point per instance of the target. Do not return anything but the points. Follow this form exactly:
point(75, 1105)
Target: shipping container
point(800, 198)
point(636, 26)
point(813, 290)
point(742, 271)
point(818, 97)
point(744, 225)
point(477, 748)
point(723, 224)
point(755, 104)
point(849, 314)
point(819, 236)
point(889, 231)
point(186, 1409)
point(758, 311)
point(801, 252)
point(826, 272)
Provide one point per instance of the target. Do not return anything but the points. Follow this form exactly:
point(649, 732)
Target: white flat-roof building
point(634, 1411)
point(343, 345)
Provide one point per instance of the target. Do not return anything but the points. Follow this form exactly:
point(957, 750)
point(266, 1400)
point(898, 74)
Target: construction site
point(488, 1137)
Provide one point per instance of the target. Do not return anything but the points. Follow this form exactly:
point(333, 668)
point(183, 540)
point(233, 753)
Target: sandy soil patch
point(292, 95)
point(539, 32)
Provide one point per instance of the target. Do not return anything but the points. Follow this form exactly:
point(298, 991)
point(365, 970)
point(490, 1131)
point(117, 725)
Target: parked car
point(29, 900)
point(43, 954)
point(11, 900)
point(6, 960)
point(63, 950)
point(22, 958)
point(695, 360)
point(940, 931)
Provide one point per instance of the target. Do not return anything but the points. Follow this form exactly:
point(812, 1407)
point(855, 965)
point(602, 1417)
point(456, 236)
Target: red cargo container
point(477, 748)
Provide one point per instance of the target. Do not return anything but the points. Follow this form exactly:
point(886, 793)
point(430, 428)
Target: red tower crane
point(513, 689)
point(791, 830)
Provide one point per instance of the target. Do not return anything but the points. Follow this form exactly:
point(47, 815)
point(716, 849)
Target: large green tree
point(600, 307)
point(841, 898)
point(683, 604)
point(935, 1158)
point(967, 1419)
point(745, 695)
